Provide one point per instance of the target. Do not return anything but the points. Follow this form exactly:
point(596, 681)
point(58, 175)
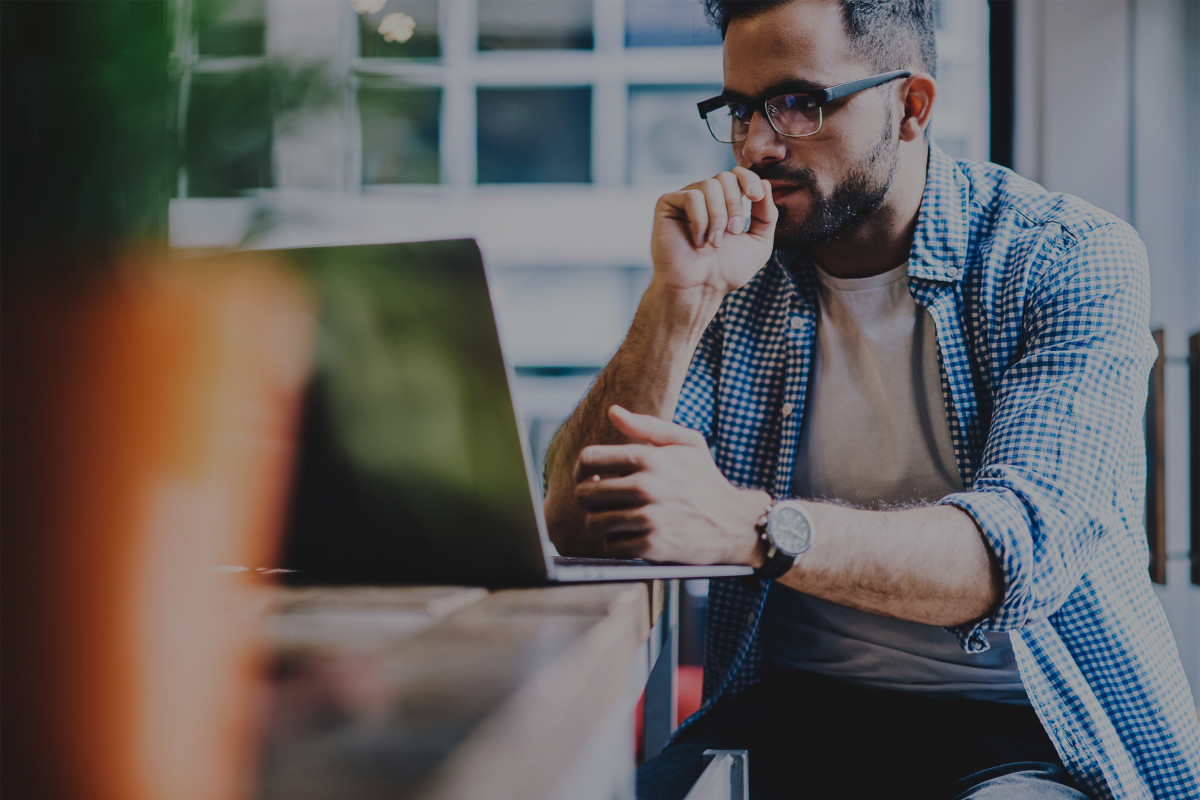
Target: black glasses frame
point(819, 98)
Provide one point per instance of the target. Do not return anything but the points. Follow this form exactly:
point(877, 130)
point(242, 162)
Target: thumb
point(646, 428)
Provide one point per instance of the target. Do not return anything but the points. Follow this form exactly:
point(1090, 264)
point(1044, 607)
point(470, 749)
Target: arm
point(1062, 472)
point(695, 265)
point(1056, 475)
point(663, 498)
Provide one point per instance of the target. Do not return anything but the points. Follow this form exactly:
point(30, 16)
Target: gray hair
point(890, 34)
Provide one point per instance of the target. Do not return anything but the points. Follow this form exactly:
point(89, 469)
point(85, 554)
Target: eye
point(794, 102)
point(740, 112)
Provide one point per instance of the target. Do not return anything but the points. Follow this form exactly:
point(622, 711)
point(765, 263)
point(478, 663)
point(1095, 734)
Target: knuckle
point(650, 459)
point(639, 492)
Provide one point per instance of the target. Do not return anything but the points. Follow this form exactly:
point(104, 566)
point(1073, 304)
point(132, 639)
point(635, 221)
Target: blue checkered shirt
point(1041, 304)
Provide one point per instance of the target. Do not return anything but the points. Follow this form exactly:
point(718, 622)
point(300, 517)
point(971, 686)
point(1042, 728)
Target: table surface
point(447, 692)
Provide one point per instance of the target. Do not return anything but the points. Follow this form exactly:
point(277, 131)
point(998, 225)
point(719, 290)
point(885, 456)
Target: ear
point(919, 93)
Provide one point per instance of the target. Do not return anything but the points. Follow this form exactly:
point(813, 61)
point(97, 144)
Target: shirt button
point(952, 271)
point(788, 408)
point(796, 323)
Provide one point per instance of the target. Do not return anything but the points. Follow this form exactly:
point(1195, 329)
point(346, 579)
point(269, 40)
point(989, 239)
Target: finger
point(606, 460)
point(650, 429)
point(763, 213)
point(690, 206)
point(631, 546)
point(606, 494)
point(718, 213)
point(749, 183)
point(736, 207)
point(613, 526)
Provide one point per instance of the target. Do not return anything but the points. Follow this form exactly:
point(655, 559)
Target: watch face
point(789, 529)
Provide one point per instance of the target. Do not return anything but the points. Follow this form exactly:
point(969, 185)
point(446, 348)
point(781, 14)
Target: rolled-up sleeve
point(1063, 464)
point(697, 398)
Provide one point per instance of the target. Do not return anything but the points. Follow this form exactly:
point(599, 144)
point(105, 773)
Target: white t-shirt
point(875, 434)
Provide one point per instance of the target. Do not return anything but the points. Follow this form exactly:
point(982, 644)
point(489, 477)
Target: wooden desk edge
point(587, 679)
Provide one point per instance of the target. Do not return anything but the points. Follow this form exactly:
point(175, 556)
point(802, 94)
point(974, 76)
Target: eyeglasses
point(790, 114)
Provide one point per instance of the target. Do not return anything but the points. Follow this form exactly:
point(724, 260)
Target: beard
point(853, 200)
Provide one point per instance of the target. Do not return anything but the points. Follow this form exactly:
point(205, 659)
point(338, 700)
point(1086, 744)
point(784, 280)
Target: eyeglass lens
point(789, 114)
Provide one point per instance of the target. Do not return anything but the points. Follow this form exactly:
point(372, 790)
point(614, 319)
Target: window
point(535, 25)
point(227, 140)
point(597, 92)
point(230, 29)
point(667, 23)
point(400, 130)
point(534, 135)
point(227, 125)
point(425, 42)
point(665, 146)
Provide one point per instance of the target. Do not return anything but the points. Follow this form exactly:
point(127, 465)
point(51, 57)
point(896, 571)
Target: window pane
point(535, 24)
point(535, 135)
point(668, 142)
point(227, 149)
point(424, 42)
point(227, 28)
point(400, 129)
point(666, 23)
point(961, 119)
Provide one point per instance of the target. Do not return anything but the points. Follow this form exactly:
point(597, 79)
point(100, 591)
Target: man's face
point(825, 183)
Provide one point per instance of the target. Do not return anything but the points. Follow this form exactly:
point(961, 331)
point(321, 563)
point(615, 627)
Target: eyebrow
point(781, 87)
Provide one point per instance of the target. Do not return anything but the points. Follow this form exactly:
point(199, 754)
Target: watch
point(787, 529)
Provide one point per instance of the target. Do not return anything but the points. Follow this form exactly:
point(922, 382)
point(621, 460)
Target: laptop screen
point(411, 465)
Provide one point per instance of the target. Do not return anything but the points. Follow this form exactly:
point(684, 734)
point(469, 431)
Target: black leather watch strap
point(777, 563)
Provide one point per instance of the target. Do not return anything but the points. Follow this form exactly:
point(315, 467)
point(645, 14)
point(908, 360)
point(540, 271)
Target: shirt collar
point(939, 249)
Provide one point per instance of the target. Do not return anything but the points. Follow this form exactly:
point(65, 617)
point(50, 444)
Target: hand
point(662, 497)
point(698, 239)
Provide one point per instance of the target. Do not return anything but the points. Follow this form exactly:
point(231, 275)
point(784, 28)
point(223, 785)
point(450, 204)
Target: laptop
point(413, 465)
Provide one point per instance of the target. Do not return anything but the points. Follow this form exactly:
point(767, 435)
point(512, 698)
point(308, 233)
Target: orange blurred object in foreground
point(148, 432)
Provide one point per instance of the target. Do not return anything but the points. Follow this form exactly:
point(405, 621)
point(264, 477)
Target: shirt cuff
point(1005, 526)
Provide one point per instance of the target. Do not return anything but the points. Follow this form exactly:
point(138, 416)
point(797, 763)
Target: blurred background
point(546, 129)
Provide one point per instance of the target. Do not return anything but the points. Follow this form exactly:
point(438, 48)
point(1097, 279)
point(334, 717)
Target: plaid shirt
point(1041, 304)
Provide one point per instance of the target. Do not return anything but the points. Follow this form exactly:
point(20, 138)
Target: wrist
point(786, 531)
point(754, 549)
point(686, 309)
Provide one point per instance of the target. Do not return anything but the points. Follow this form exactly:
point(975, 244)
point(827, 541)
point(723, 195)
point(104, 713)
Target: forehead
point(804, 40)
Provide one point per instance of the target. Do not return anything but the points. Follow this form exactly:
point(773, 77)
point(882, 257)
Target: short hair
point(890, 34)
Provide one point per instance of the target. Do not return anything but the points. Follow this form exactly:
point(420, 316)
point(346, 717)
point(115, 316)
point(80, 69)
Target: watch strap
point(777, 562)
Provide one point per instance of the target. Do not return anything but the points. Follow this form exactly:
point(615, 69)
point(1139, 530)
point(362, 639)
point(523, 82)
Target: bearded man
point(908, 391)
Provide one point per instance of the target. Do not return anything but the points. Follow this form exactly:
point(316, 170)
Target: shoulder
point(1015, 233)
point(1012, 213)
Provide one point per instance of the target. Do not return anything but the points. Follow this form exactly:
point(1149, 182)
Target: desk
point(443, 692)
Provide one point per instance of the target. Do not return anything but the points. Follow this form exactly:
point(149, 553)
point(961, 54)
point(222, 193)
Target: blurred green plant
point(89, 143)
point(94, 139)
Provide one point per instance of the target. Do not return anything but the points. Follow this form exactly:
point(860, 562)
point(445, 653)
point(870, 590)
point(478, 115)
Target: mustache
point(796, 176)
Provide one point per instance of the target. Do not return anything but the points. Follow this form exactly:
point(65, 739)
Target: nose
point(762, 144)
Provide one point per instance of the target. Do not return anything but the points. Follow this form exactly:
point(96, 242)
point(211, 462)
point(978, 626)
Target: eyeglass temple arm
point(850, 87)
point(826, 95)
point(711, 104)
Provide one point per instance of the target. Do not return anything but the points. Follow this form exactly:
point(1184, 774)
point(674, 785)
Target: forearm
point(645, 375)
point(928, 564)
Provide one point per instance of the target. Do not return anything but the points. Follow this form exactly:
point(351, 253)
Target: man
point(919, 421)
